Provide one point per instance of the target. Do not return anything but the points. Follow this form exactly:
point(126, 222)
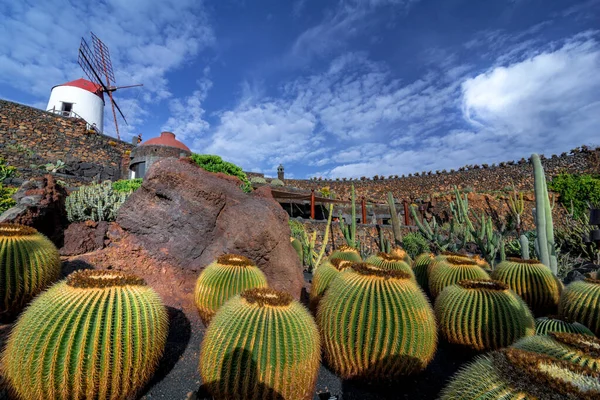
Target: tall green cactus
point(322, 278)
point(580, 301)
point(533, 281)
point(229, 275)
point(376, 324)
point(577, 348)
point(28, 263)
point(96, 335)
point(350, 233)
point(452, 270)
point(385, 246)
point(98, 202)
point(517, 374)
point(524, 247)
point(394, 219)
point(545, 325)
point(463, 312)
point(261, 344)
point(545, 245)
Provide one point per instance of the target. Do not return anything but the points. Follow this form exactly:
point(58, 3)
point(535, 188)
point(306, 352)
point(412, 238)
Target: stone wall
point(30, 136)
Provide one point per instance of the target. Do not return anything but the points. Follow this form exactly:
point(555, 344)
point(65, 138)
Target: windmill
point(97, 65)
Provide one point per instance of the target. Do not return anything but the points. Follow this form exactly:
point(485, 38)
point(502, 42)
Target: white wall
point(87, 105)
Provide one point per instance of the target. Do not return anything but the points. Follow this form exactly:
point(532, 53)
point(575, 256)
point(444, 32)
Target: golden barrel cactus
point(446, 272)
point(388, 261)
point(580, 302)
point(420, 268)
point(552, 323)
point(261, 344)
point(400, 253)
point(346, 253)
point(322, 278)
point(96, 335)
point(482, 314)
point(29, 262)
point(229, 275)
point(376, 324)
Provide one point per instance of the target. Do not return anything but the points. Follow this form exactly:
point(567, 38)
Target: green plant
point(322, 278)
point(514, 247)
point(579, 348)
point(533, 281)
point(53, 167)
point(395, 220)
point(29, 262)
point(463, 312)
point(258, 180)
point(213, 163)
point(451, 270)
point(315, 257)
point(571, 239)
point(543, 218)
point(96, 335)
point(414, 243)
point(384, 244)
point(391, 262)
point(518, 374)
point(577, 192)
point(580, 301)
point(350, 233)
point(420, 267)
point(98, 202)
point(346, 253)
point(6, 171)
point(6, 199)
point(228, 275)
point(376, 324)
point(545, 325)
point(297, 245)
point(276, 182)
point(516, 205)
point(261, 344)
point(127, 185)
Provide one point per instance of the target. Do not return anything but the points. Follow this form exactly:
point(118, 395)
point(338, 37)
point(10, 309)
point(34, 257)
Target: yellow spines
point(580, 302)
point(450, 270)
point(346, 253)
point(322, 278)
point(398, 252)
point(390, 261)
point(420, 268)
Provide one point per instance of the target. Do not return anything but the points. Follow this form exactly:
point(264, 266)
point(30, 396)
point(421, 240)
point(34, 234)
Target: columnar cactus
point(482, 314)
point(389, 261)
point(518, 374)
point(346, 253)
point(261, 344)
point(573, 347)
point(545, 325)
point(96, 335)
point(580, 302)
point(28, 263)
point(297, 245)
point(98, 202)
point(531, 280)
point(453, 270)
point(420, 267)
point(322, 278)
point(376, 324)
point(229, 275)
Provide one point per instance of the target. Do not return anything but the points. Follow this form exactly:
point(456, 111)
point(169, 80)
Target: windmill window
point(67, 108)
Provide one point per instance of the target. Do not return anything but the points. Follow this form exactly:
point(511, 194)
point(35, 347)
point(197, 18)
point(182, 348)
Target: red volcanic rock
point(186, 217)
point(84, 237)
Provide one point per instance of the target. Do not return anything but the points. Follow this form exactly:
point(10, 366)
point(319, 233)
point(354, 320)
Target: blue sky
point(329, 88)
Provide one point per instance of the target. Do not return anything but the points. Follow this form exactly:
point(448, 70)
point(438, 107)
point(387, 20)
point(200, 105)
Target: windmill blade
point(118, 108)
point(102, 60)
point(86, 62)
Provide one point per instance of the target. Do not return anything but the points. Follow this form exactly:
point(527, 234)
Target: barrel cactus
point(261, 344)
point(376, 324)
point(533, 281)
point(518, 374)
point(580, 302)
point(229, 275)
point(452, 270)
point(389, 261)
point(346, 253)
point(482, 263)
point(28, 263)
point(322, 278)
point(482, 314)
point(420, 267)
point(96, 335)
point(573, 347)
point(398, 252)
point(552, 323)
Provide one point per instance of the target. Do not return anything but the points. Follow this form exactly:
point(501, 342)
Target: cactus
point(346, 253)
point(483, 264)
point(580, 302)
point(376, 324)
point(29, 262)
point(398, 252)
point(577, 348)
point(452, 270)
point(96, 335)
point(258, 180)
point(533, 281)
point(420, 267)
point(350, 233)
point(261, 344)
point(388, 261)
point(322, 278)
point(385, 246)
point(524, 247)
point(545, 246)
point(277, 182)
point(99, 202)
point(518, 374)
point(551, 323)
point(516, 206)
point(394, 219)
point(297, 245)
point(482, 314)
point(229, 275)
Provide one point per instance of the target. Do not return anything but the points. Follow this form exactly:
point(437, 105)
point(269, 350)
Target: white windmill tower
point(84, 98)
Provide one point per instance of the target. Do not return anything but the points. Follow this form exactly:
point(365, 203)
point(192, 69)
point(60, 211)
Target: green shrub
point(127, 185)
point(6, 200)
point(414, 243)
point(258, 179)
point(577, 191)
point(98, 202)
point(6, 171)
point(213, 163)
point(277, 182)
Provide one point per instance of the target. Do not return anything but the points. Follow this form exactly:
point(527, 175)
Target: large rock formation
point(187, 217)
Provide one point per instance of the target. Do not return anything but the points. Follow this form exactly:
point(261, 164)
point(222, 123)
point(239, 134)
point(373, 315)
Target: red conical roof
point(166, 139)
point(85, 85)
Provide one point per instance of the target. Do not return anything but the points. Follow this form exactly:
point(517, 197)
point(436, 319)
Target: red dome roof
point(85, 85)
point(166, 139)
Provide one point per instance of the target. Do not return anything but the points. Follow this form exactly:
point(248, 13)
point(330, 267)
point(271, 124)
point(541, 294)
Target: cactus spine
point(28, 263)
point(545, 325)
point(97, 334)
point(322, 279)
point(580, 349)
point(376, 324)
point(261, 345)
point(346, 253)
point(531, 280)
point(482, 314)
point(229, 275)
point(543, 217)
point(452, 270)
point(580, 302)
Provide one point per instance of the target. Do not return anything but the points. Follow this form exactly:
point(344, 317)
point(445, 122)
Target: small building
point(79, 99)
point(150, 151)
